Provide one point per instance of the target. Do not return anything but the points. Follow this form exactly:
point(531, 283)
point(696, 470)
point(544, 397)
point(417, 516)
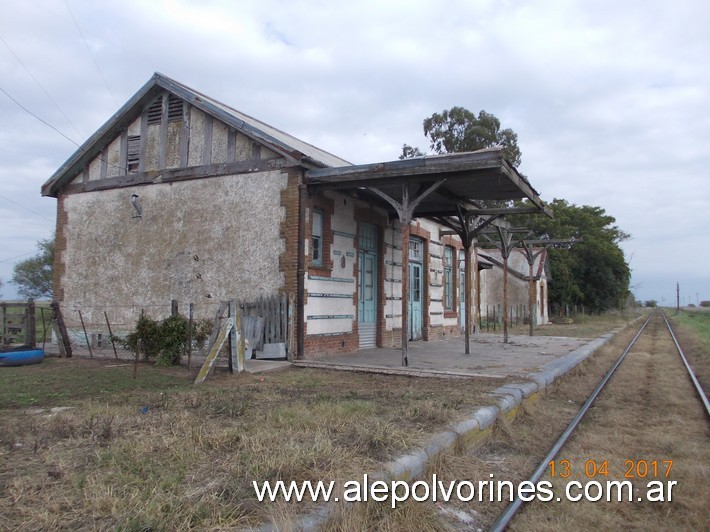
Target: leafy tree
point(1, 283)
point(409, 152)
point(651, 303)
point(460, 130)
point(34, 275)
point(593, 272)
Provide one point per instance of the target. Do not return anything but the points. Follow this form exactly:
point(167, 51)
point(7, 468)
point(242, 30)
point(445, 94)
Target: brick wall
point(288, 261)
point(59, 247)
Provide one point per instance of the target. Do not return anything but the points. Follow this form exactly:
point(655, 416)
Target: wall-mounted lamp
point(136, 205)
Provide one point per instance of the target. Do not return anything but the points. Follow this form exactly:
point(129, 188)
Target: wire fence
point(101, 331)
point(492, 318)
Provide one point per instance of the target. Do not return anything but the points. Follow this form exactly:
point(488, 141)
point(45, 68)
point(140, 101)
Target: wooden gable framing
point(169, 132)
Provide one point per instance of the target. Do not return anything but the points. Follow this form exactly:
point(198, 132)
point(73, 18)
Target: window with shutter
point(133, 153)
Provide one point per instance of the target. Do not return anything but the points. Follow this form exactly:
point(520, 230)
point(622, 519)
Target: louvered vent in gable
point(174, 110)
point(133, 153)
point(155, 111)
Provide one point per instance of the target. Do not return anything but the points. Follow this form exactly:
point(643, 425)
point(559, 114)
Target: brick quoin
point(288, 260)
point(60, 246)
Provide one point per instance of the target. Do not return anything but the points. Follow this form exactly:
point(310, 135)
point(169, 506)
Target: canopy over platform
point(463, 178)
point(446, 188)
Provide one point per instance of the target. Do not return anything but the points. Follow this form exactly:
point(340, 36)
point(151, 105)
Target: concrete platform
point(489, 357)
point(522, 356)
point(261, 366)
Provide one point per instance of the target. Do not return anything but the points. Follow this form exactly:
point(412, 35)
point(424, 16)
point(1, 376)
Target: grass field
point(699, 321)
point(581, 326)
point(695, 326)
point(157, 453)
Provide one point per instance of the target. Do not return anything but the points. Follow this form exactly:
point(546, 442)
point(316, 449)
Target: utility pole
point(677, 298)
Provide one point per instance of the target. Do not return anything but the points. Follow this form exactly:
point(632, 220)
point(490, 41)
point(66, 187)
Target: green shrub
point(167, 340)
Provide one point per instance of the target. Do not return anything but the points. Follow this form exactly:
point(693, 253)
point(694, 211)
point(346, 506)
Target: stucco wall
point(331, 308)
point(216, 236)
point(334, 295)
point(518, 289)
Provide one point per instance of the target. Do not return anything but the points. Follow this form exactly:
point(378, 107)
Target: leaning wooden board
point(212, 356)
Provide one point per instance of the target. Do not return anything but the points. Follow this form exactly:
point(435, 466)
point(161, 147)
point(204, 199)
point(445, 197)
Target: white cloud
point(608, 98)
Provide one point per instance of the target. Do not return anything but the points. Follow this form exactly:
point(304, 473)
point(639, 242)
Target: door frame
point(416, 260)
point(368, 246)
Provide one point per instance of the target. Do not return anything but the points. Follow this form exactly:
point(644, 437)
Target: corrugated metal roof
point(317, 155)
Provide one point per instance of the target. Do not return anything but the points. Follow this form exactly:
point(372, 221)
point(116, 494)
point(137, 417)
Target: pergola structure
point(445, 188)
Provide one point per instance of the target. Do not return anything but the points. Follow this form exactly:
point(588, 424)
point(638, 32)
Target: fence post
point(44, 328)
point(61, 330)
point(30, 326)
point(110, 335)
point(189, 339)
point(239, 338)
point(232, 358)
point(88, 343)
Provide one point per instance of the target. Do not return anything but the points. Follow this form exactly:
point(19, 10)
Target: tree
point(34, 275)
point(592, 272)
point(460, 130)
point(409, 153)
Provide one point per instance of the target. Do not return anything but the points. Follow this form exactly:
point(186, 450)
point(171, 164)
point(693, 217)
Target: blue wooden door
point(367, 312)
point(367, 285)
point(416, 284)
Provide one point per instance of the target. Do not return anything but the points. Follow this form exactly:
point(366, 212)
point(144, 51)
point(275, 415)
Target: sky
point(609, 99)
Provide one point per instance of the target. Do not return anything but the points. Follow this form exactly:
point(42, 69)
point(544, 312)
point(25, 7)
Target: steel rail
point(516, 504)
point(691, 373)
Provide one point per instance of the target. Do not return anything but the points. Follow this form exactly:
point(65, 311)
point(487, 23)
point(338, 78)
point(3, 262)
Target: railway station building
point(180, 197)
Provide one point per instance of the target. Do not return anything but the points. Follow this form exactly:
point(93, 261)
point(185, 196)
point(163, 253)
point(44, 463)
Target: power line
point(40, 85)
point(23, 207)
point(38, 118)
point(17, 257)
point(57, 130)
point(91, 53)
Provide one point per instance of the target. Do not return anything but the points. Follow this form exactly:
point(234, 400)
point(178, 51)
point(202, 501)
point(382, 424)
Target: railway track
point(655, 332)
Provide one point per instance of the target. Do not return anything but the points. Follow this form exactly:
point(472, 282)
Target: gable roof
point(294, 149)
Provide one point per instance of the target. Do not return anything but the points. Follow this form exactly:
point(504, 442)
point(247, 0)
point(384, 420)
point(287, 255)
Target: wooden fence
point(19, 325)
point(266, 321)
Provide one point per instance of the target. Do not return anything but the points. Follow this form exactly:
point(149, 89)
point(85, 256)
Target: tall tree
point(593, 272)
point(408, 152)
point(34, 275)
point(459, 130)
